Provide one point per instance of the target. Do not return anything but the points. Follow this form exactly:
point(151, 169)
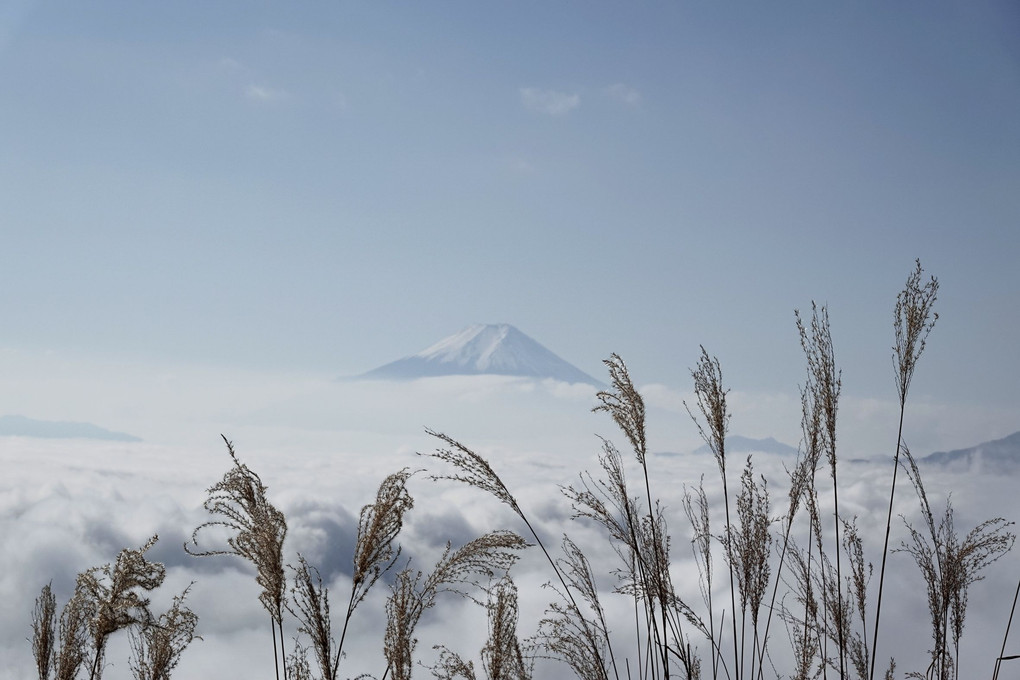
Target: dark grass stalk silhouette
point(913, 319)
point(1005, 636)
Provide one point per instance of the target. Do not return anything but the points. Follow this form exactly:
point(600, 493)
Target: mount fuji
point(484, 349)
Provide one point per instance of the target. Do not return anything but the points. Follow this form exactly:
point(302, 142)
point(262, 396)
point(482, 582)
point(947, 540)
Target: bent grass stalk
point(475, 471)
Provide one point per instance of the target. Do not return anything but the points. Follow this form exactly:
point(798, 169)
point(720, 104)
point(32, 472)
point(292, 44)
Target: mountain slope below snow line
point(20, 426)
point(484, 349)
point(1001, 455)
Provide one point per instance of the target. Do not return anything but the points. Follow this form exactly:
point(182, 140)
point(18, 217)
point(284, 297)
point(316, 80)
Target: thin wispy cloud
point(229, 65)
point(261, 93)
point(624, 94)
point(549, 102)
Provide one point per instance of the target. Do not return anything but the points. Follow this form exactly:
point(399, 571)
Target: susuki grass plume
point(824, 383)
point(257, 532)
point(73, 636)
point(375, 552)
point(106, 599)
point(696, 508)
point(914, 318)
point(503, 656)
point(711, 401)
point(858, 651)
point(451, 665)
point(379, 524)
point(309, 603)
point(800, 476)
point(650, 553)
point(751, 548)
point(949, 566)
point(44, 631)
point(625, 405)
point(458, 571)
point(114, 596)
point(473, 470)
point(568, 634)
point(158, 645)
point(297, 663)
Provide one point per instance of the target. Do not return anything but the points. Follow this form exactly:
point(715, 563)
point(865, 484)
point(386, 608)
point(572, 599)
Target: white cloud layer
point(549, 102)
point(66, 506)
point(323, 446)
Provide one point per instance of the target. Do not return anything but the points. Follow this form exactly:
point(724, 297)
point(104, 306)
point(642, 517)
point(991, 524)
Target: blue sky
point(330, 186)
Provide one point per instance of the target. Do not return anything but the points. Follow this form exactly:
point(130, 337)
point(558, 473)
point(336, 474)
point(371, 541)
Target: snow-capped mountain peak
point(498, 349)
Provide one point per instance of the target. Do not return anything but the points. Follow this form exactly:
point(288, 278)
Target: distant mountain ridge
point(484, 349)
point(20, 426)
point(1000, 455)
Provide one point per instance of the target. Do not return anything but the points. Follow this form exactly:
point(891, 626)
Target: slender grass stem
point(343, 634)
point(276, 658)
point(733, 587)
point(660, 568)
point(283, 650)
point(1002, 652)
point(772, 603)
point(885, 546)
point(839, 578)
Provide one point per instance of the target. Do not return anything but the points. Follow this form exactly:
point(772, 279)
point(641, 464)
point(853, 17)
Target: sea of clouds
point(322, 447)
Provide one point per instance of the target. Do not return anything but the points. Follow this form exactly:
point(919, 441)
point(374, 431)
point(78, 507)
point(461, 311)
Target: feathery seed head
point(625, 405)
point(913, 320)
point(711, 396)
point(378, 526)
point(259, 529)
point(473, 470)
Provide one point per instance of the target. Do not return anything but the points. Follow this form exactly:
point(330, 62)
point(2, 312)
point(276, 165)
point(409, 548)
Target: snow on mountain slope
point(484, 349)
